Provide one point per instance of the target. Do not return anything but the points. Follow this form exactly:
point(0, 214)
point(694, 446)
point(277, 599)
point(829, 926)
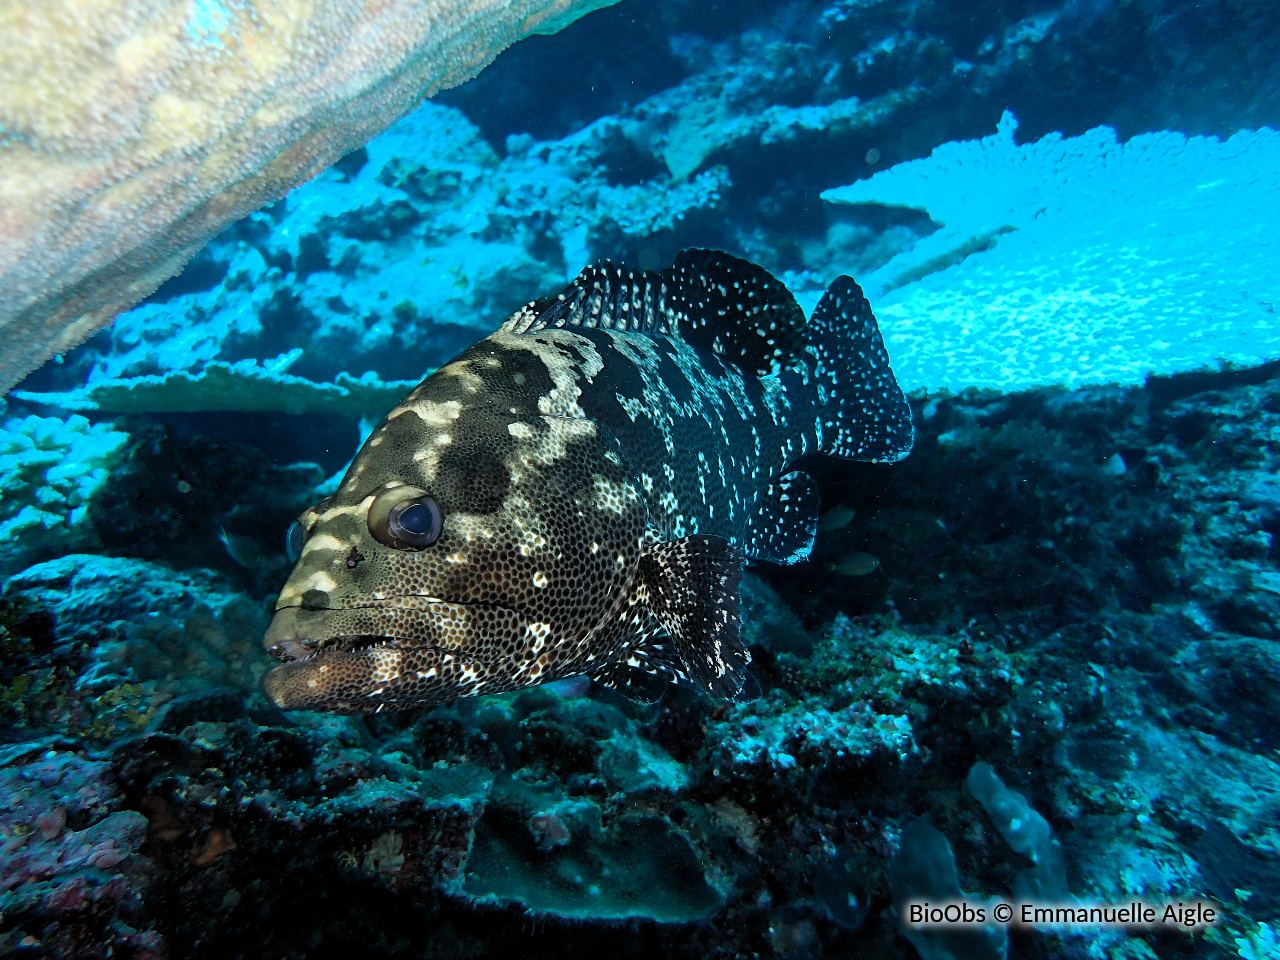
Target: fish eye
point(416, 522)
point(293, 541)
point(405, 518)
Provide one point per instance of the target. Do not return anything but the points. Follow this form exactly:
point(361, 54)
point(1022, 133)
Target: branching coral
point(49, 468)
point(186, 116)
point(1080, 260)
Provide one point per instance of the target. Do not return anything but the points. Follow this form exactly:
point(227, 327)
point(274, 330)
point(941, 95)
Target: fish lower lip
point(298, 635)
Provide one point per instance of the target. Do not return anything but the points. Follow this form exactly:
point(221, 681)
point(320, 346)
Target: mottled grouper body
point(576, 493)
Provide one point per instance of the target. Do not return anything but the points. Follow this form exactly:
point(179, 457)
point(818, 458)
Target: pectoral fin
point(691, 586)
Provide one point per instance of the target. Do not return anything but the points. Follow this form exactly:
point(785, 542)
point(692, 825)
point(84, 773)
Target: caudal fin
point(862, 412)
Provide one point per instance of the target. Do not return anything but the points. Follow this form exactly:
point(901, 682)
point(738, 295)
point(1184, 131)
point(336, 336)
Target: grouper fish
point(578, 492)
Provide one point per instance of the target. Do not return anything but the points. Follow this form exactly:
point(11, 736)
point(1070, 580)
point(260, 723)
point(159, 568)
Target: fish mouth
point(403, 652)
point(297, 651)
point(299, 634)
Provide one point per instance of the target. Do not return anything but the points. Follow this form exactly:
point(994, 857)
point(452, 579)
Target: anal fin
point(691, 586)
point(786, 520)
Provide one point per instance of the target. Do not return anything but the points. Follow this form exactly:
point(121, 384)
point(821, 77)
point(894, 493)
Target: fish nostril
point(315, 600)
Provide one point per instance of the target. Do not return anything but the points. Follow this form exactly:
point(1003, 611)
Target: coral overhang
point(184, 117)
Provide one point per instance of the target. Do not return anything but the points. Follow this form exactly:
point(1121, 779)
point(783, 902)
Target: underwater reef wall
point(1062, 663)
point(187, 116)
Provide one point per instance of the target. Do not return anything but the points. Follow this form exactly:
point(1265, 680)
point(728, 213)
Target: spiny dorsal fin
point(707, 298)
point(736, 309)
point(604, 296)
point(691, 585)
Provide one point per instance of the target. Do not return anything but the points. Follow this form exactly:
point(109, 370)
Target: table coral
point(245, 386)
point(185, 117)
point(393, 259)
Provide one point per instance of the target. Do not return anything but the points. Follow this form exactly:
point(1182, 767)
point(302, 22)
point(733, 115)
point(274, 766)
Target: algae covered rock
point(180, 632)
point(70, 868)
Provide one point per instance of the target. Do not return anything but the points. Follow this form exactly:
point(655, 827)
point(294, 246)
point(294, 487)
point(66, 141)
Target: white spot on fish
point(429, 412)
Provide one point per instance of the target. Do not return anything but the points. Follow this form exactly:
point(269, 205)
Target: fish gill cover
point(1035, 658)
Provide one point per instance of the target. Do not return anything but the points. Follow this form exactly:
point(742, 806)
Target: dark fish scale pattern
point(605, 463)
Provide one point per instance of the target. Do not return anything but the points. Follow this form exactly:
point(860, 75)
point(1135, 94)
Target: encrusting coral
point(187, 116)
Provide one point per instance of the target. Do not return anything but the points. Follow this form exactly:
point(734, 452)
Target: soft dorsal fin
point(736, 309)
point(707, 298)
